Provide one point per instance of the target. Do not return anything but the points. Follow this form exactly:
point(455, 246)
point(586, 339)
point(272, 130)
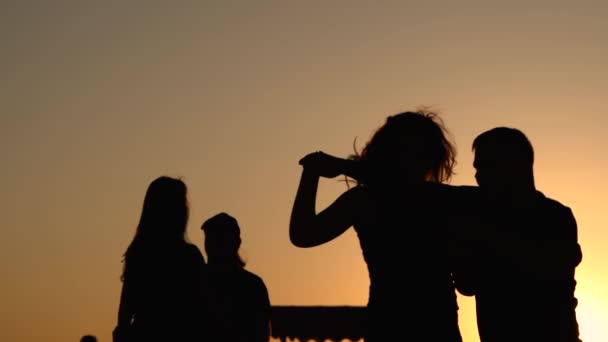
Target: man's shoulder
point(256, 288)
point(252, 278)
point(464, 195)
point(466, 190)
point(559, 216)
point(553, 204)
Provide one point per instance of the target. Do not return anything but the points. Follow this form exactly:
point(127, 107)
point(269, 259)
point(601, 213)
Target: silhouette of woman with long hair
point(162, 280)
point(241, 304)
point(400, 211)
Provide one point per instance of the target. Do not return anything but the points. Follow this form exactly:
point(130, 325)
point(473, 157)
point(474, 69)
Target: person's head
point(164, 215)
point(165, 210)
point(410, 146)
point(88, 338)
point(222, 240)
point(504, 160)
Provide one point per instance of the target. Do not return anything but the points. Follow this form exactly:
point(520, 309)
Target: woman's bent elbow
point(299, 240)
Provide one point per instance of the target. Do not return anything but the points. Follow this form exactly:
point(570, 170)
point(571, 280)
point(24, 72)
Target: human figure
point(402, 215)
point(161, 297)
point(241, 304)
point(524, 280)
point(88, 338)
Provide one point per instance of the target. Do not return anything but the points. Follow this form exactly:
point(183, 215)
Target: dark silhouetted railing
point(318, 323)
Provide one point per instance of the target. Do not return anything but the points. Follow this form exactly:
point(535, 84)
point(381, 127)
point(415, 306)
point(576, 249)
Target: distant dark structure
point(318, 323)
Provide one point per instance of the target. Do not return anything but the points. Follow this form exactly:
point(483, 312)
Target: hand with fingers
point(326, 165)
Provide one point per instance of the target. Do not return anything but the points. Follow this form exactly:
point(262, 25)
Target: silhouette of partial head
point(504, 160)
point(410, 146)
point(222, 239)
point(165, 209)
point(88, 338)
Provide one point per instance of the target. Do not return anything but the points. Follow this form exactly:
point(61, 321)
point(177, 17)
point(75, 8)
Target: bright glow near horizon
point(98, 100)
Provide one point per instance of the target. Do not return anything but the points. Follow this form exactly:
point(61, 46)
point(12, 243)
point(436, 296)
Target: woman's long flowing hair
point(409, 147)
point(163, 219)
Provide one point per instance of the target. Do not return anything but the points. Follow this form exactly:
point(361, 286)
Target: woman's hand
point(324, 164)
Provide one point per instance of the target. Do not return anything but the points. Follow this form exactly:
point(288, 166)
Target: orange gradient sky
point(100, 97)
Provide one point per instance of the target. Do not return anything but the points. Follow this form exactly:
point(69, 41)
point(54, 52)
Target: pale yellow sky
point(99, 98)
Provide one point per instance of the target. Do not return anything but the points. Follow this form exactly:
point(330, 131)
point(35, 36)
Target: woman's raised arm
point(309, 229)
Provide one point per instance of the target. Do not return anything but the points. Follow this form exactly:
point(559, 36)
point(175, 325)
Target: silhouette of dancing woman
point(163, 276)
point(399, 210)
point(527, 250)
point(241, 304)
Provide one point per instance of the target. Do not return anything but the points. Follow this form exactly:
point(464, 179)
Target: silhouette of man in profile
point(528, 250)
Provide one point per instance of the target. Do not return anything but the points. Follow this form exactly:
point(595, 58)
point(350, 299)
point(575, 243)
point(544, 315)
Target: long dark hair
point(414, 146)
point(163, 219)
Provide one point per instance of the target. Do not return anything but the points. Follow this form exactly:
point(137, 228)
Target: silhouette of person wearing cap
point(240, 298)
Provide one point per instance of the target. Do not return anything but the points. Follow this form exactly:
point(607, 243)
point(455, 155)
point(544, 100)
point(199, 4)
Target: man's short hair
point(505, 144)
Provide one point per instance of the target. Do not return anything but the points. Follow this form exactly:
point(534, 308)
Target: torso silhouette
point(241, 306)
point(525, 286)
point(164, 285)
point(406, 237)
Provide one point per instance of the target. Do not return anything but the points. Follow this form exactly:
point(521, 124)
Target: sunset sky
point(98, 98)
